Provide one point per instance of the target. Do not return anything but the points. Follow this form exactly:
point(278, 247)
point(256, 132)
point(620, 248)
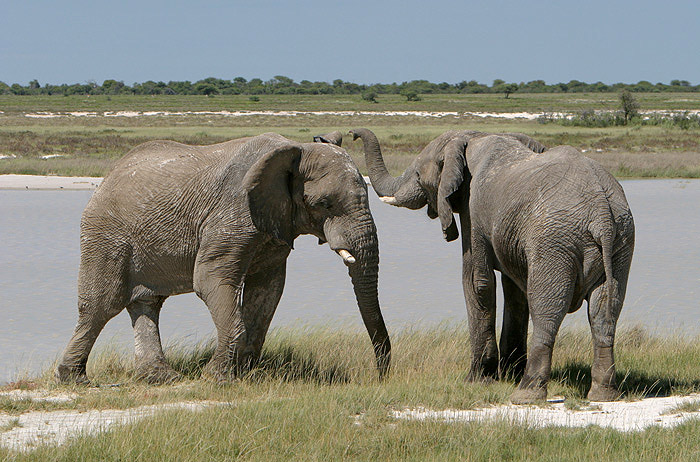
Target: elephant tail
point(603, 231)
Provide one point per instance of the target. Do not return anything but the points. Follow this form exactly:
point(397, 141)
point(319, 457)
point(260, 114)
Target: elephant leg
point(149, 358)
point(261, 295)
point(550, 290)
point(480, 293)
point(513, 342)
point(101, 296)
point(603, 312)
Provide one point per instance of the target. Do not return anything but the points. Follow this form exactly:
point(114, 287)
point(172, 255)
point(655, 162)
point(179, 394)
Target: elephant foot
point(217, 372)
point(161, 374)
point(72, 374)
point(603, 393)
point(528, 395)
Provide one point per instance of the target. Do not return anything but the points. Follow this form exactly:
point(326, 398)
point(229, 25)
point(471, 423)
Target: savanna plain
point(315, 395)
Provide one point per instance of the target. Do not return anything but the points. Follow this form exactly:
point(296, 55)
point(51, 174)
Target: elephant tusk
point(346, 256)
point(391, 200)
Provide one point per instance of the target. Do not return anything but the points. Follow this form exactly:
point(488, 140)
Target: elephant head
point(438, 177)
point(315, 188)
point(333, 138)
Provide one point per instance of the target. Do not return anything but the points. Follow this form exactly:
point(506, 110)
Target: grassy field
point(89, 145)
point(315, 396)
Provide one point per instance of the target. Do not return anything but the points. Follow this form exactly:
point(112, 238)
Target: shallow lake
point(419, 285)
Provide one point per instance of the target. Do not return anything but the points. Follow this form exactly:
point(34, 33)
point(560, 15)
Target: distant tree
point(370, 96)
point(112, 87)
point(205, 88)
point(34, 85)
point(18, 89)
point(411, 95)
point(628, 105)
point(510, 88)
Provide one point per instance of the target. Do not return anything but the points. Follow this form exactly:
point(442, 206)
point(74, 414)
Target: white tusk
point(347, 256)
point(391, 200)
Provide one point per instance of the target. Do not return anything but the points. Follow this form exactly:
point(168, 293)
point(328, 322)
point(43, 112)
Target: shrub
point(370, 96)
point(411, 95)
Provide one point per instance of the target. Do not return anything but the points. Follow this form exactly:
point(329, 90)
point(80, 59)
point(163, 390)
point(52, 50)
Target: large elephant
point(218, 220)
point(553, 222)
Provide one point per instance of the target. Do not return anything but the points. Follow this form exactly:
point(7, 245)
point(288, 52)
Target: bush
point(628, 105)
point(370, 96)
point(411, 95)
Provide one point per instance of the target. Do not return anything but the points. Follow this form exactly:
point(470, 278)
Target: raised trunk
point(383, 183)
point(364, 275)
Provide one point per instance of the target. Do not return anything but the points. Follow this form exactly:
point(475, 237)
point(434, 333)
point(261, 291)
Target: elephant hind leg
point(149, 358)
point(92, 318)
point(102, 294)
point(551, 287)
point(513, 342)
point(604, 306)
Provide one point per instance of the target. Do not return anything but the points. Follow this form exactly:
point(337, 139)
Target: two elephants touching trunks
point(221, 220)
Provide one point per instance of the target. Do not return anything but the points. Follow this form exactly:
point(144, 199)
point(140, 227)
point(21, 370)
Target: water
point(420, 275)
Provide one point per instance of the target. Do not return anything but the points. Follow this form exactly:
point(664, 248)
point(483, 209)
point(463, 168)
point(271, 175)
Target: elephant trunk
point(364, 274)
point(383, 183)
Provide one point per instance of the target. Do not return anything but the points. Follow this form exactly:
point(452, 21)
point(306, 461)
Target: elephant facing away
point(553, 222)
point(218, 220)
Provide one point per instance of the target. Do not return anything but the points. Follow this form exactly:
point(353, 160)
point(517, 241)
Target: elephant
point(554, 223)
point(220, 221)
point(332, 138)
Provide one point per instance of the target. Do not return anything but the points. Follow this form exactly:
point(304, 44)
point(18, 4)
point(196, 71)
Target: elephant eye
point(323, 202)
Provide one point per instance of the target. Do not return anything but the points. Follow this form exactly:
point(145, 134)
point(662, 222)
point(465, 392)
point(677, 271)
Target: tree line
point(282, 85)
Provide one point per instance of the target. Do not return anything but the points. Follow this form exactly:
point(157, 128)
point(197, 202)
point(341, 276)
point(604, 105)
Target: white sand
point(23, 432)
point(55, 427)
point(47, 182)
point(620, 415)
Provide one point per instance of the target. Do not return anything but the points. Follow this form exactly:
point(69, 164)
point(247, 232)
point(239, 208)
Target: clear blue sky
point(74, 41)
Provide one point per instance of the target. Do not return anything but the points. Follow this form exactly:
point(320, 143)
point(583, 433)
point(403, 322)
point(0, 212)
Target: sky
point(75, 41)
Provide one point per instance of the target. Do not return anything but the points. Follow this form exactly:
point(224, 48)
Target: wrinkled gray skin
point(553, 222)
point(331, 138)
point(218, 220)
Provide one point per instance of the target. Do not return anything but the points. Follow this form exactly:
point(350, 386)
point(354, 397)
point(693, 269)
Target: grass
point(90, 145)
point(316, 396)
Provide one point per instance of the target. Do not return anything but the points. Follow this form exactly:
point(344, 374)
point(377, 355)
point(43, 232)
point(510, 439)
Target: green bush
point(370, 96)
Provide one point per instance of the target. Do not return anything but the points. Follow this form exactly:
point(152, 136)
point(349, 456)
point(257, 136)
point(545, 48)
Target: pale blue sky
point(74, 41)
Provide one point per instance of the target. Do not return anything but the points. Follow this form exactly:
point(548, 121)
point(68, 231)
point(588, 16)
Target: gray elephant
point(218, 220)
point(331, 138)
point(553, 222)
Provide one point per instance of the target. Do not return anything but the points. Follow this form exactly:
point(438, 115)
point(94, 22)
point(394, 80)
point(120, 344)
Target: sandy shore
point(48, 182)
point(23, 432)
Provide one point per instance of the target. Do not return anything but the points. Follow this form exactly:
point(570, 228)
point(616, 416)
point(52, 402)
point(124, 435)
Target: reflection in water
point(419, 285)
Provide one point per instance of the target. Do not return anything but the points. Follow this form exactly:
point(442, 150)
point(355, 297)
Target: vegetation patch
point(315, 395)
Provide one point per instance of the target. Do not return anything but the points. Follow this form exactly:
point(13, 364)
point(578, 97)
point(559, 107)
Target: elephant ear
point(454, 170)
point(270, 187)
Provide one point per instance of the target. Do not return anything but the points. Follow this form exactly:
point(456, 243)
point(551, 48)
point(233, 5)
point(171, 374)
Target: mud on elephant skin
point(218, 220)
point(553, 222)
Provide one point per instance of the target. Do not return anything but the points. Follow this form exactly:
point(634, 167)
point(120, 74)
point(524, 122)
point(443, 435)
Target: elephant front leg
point(223, 300)
point(151, 365)
point(261, 295)
point(513, 343)
point(480, 294)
